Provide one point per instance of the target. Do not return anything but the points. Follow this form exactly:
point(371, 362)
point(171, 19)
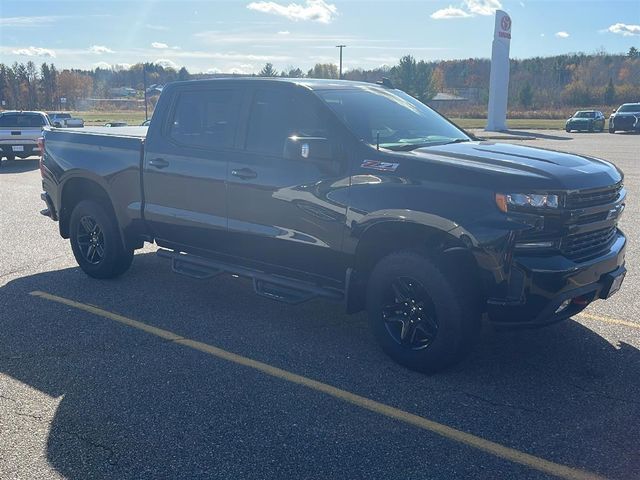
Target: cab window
point(206, 119)
point(276, 115)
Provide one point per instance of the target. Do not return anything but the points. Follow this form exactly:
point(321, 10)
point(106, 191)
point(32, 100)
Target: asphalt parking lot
point(154, 375)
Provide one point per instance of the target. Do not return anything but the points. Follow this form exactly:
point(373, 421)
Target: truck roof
point(310, 83)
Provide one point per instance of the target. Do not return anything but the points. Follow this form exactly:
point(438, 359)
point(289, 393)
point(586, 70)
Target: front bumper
point(538, 286)
point(626, 124)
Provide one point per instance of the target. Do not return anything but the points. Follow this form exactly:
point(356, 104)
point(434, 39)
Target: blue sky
point(240, 36)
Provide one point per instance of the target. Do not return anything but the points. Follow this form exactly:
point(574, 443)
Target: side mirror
point(57, 124)
point(307, 148)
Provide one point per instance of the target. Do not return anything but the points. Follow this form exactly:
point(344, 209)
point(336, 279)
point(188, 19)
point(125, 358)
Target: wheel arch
point(436, 239)
point(76, 189)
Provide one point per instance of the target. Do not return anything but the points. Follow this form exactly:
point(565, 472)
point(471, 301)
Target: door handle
point(244, 173)
point(159, 163)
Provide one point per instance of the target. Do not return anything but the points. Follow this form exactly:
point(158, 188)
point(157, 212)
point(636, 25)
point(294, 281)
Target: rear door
point(284, 211)
point(185, 167)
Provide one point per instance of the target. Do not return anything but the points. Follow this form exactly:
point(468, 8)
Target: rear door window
point(206, 118)
point(22, 120)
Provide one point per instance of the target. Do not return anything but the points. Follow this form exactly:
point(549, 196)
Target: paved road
point(86, 392)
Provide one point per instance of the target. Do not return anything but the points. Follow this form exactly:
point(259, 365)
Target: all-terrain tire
point(451, 305)
point(96, 241)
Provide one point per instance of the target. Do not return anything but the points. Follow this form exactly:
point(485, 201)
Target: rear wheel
point(96, 242)
point(417, 315)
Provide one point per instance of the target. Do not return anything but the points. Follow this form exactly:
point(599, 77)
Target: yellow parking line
point(590, 316)
point(445, 431)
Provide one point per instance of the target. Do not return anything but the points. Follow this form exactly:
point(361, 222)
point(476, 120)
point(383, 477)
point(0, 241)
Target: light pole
point(144, 81)
point(340, 47)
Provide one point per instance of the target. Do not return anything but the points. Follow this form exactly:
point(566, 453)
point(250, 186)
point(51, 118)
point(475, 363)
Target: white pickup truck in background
point(65, 120)
point(19, 133)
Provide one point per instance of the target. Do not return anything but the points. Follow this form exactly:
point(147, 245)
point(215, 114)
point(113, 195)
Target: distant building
point(120, 92)
point(442, 99)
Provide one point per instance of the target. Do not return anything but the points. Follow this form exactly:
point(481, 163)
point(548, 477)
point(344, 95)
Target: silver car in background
point(19, 133)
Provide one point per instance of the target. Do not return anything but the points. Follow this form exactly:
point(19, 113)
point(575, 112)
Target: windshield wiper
point(412, 146)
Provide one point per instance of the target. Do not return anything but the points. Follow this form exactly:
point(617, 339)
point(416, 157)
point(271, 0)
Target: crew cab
point(19, 133)
point(353, 192)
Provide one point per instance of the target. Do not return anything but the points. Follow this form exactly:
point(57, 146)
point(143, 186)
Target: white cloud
point(121, 66)
point(284, 32)
point(102, 65)
point(314, 10)
point(159, 45)
point(35, 52)
point(562, 35)
point(483, 7)
point(239, 71)
point(449, 12)
point(624, 29)
point(471, 8)
point(542, 34)
point(212, 71)
point(28, 21)
point(99, 49)
point(166, 63)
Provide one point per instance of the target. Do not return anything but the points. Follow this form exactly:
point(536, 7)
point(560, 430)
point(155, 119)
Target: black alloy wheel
point(91, 240)
point(410, 316)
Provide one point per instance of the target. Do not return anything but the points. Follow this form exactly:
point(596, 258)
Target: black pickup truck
point(350, 191)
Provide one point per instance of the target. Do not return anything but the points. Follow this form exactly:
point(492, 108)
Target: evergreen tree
point(526, 95)
point(609, 93)
point(268, 71)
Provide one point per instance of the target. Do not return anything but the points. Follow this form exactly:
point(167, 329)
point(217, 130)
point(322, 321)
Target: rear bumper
point(539, 286)
point(19, 148)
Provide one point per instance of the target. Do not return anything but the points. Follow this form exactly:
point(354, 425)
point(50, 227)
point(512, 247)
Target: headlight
point(521, 201)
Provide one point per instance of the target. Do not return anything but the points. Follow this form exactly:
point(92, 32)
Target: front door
point(288, 209)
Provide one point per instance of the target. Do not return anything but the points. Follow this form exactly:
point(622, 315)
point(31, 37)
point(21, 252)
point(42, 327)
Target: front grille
point(594, 197)
point(624, 122)
point(583, 246)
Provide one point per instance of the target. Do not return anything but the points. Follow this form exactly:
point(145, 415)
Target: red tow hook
point(582, 300)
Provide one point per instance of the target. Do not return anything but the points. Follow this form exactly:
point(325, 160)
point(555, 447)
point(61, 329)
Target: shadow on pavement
point(18, 166)
point(135, 406)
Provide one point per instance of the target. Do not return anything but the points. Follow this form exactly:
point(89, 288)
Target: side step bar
point(267, 285)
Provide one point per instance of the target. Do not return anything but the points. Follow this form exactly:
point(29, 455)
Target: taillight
point(41, 147)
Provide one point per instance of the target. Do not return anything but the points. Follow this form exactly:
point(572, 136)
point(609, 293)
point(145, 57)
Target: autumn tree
point(74, 86)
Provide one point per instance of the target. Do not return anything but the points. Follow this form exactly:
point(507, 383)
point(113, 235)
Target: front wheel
point(420, 319)
point(96, 242)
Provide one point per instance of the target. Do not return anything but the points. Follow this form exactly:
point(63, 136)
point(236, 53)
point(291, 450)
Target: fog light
point(563, 306)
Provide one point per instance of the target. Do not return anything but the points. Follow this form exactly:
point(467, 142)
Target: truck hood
point(516, 165)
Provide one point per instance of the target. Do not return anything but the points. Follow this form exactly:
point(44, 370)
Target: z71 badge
point(377, 165)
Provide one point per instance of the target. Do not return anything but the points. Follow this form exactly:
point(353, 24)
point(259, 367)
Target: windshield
point(585, 115)
point(21, 120)
point(633, 107)
point(390, 118)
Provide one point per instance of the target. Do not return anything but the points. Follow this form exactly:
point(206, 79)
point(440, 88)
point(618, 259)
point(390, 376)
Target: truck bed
point(110, 158)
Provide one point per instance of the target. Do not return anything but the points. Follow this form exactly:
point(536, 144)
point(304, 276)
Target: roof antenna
point(378, 141)
point(385, 82)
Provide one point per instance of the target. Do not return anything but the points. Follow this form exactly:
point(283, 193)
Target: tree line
point(576, 80)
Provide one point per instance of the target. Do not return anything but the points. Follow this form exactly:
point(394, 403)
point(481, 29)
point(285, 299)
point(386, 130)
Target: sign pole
point(499, 77)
